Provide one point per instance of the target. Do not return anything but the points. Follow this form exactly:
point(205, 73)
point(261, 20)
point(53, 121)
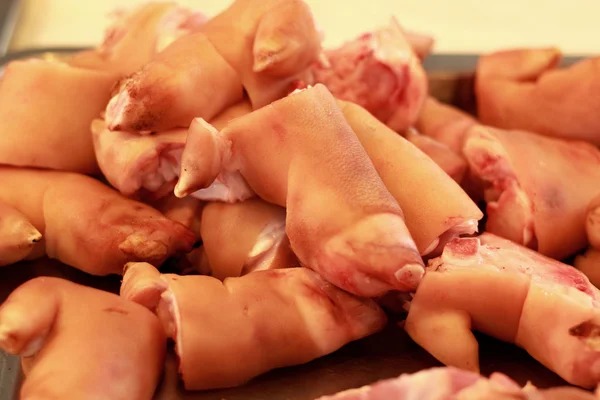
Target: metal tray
point(383, 355)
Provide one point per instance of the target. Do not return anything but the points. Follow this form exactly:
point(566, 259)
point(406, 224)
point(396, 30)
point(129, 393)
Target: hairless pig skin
point(341, 219)
point(538, 188)
point(262, 244)
point(88, 225)
point(147, 166)
point(46, 108)
point(313, 318)
point(514, 294)
point(260, 47)
point(524, 89)
point(435, 207)
point(77, 343)
point(452, 163)
point(444, 123)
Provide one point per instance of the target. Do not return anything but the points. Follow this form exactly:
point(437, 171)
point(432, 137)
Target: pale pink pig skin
point(59, 327)
point(525, 89)
point(315, 318)
point(277, 152)
point(89, 225)
point(46, 109)
point(254, 47)
point(548, 308)
point(535, 184)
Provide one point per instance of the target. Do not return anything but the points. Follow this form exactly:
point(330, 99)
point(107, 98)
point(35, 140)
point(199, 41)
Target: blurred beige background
point(458, 25)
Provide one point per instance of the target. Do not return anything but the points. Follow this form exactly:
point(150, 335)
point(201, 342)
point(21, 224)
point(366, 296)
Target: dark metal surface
point(9, 13)
point(384, 355)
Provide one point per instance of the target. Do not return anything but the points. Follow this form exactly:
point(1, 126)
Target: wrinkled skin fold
point(58, 328)
point(88, 225)
point(548, 308)
point(341, 219)
point(314, 318)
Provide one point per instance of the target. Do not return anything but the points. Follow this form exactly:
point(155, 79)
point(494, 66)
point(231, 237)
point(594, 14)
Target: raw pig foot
point(525, 89)
point(88, 225)
point(535, 184)
point(38, 126)
point(139, 165)
point(435, 208)
point(548, 308)
point(171, 90)
point(272, 152)
point(52, 323)
point(318, 316)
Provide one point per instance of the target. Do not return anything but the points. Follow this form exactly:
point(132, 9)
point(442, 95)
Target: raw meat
point(535, 184)
point(257, 46)
point(435, 208)
point(88, 225)
point(271, 319)
point(244, 237)
point(17, 235)
point(139, 165)
point(341, 220)
point(81, 343)
point(448, 160)
point(444, 123)
point(524, 89)
point(147, 166)
point(514, 294)
point(270, 43)
point(380, 72)
point(136, 35)
point(174, 88)
point(45, 113)
point(453, 383)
